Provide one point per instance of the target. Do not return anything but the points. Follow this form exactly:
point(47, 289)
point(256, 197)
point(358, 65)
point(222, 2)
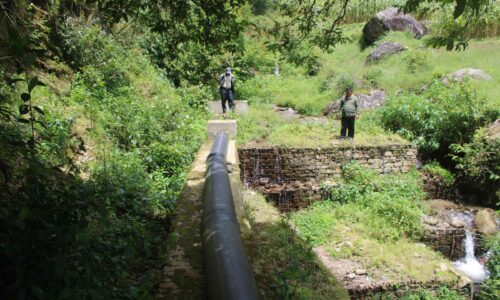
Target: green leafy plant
point(373, 76)
point(478, 163)
point(441, 116)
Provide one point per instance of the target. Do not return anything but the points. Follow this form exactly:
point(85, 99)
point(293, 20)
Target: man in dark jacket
point(350, 112)
point(226, 88)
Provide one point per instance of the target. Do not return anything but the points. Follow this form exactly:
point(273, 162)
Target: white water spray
point(469, 265)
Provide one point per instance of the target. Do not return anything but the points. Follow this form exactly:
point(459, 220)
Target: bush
point(490, 288)
point(344, 81)
point(416, 60)
point(478, 163)
point(373, 76)
point(143, 138)
point(442, 116)
point(261, 7)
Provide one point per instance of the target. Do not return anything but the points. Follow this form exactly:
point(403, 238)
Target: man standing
point(349, 109)
point(226, 87)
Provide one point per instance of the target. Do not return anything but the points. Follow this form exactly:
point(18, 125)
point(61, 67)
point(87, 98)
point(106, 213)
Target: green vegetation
point(103, 104)
point(388, 207)
point(442, 116)
point(374, 220)
point(478, 163)
point(490, 289)
point(443, 293)
point(263, 126)
point(285, 266)
point(91, 170)
point(445, 177)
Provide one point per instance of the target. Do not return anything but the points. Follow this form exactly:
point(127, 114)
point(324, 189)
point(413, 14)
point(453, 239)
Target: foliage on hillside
point(123, 126)
point(103, 104)
point(441, 116)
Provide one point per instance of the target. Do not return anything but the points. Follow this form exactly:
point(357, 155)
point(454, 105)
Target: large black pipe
point(227, 271)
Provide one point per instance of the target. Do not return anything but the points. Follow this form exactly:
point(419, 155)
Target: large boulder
point(374, 29)
point(391, 19)
point(485, 221)
point(466, 72)
point(384, 50)
point(372, 100)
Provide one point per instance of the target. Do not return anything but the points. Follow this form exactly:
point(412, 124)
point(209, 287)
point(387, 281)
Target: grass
point(409, 70)
point(264, 126)
point(284, 265)
point(375, 220)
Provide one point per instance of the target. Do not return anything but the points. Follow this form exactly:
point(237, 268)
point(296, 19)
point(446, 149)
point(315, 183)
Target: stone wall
point(263, 166)
point(447, 240)
point(435, 188)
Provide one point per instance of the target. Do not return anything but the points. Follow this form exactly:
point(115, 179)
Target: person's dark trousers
point(227, 95)
point(347, 125)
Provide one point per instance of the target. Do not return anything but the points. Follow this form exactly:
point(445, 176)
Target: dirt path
point(183, 272)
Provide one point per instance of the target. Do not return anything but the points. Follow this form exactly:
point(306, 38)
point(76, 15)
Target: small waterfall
point(469, 265)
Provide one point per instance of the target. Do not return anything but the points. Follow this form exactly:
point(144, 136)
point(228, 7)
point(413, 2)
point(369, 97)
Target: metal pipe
point(228, 274)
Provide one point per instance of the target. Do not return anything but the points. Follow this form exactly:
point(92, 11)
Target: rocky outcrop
point(374, 99)
point(467, 72)
point(384, 50)
point(485, 221)
point(374, 29)
point(391, 20)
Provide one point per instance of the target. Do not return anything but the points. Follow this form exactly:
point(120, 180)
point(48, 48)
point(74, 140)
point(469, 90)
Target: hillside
point(104, 104)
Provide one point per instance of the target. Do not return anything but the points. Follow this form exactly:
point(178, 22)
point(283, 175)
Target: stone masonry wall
point(263, 166)
point(448, 241)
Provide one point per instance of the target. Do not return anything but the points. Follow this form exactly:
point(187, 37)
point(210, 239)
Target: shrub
point(490, 288)
point(442, 116)
point(478, 163)
point(344, 81)
point(373, 76)
point(416, 60)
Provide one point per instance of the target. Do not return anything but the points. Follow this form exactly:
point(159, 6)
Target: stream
point(470, 265)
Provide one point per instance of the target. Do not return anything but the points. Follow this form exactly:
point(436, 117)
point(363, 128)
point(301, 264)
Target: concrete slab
point(227, 126)
point(240, 106)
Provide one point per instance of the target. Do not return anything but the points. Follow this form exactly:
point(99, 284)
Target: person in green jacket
point(350, 112)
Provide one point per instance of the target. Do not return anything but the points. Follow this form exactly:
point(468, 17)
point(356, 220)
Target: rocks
point(291, 177)
point(457, 223)
point(443, 267)
point(263, 181)
point(391, 19)
point(374, 99)
point(467, 72)
point(485, 221)
point(374, 29)
point(360, 272)
point(332, 108)
point(443, 237)
point(351, 276)
point(384, 50)
point(430, 220)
